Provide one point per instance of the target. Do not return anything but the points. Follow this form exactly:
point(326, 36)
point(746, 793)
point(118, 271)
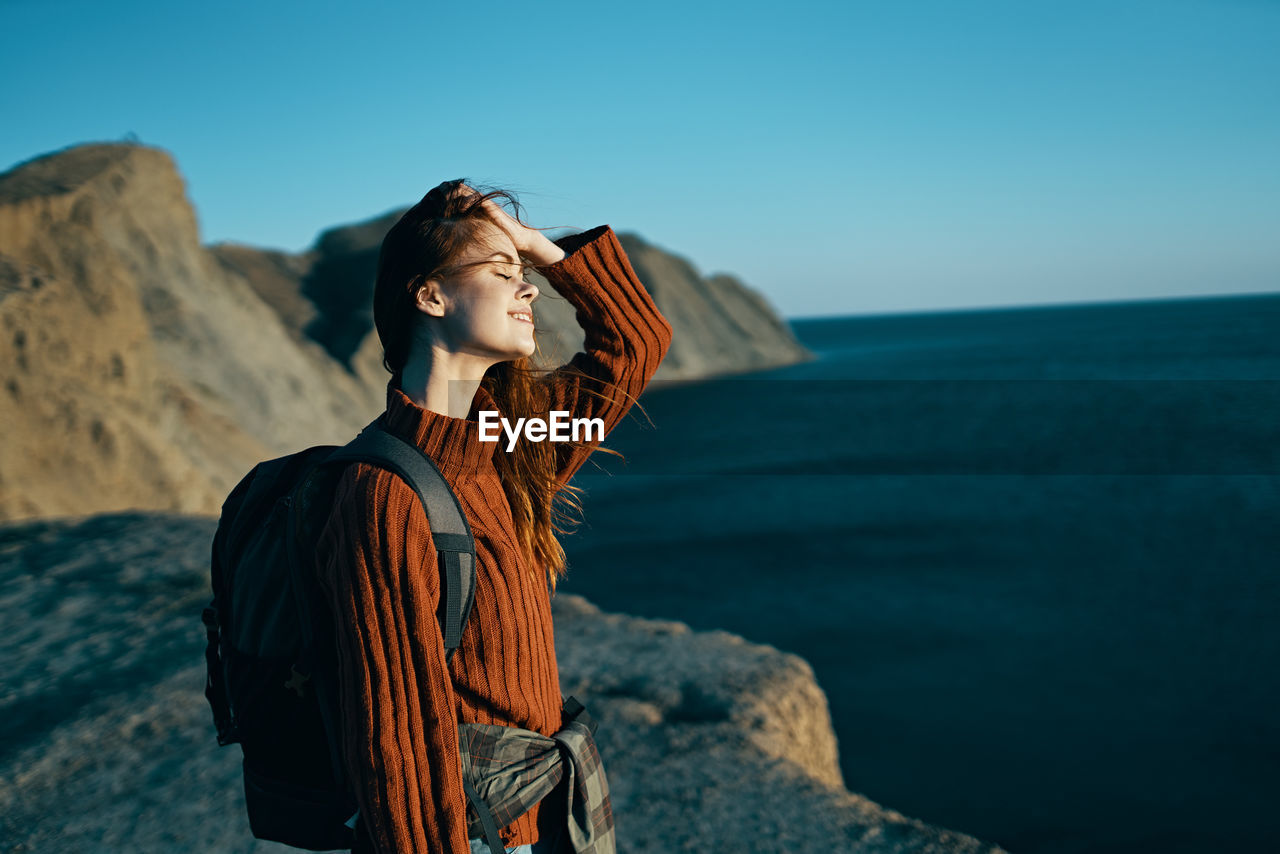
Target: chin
point(522, 353)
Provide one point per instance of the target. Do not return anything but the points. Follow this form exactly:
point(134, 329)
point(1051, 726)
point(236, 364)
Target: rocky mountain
point(711, 743)
point(143, 370)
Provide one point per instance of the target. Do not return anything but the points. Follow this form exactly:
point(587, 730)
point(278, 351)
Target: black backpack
point(271, 657)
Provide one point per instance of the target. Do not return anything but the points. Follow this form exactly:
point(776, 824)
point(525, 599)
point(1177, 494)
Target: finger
point(501, 216)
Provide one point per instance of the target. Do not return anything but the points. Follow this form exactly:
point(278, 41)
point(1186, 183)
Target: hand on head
point(529, 242)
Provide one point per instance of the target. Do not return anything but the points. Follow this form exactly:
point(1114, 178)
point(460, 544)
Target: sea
point(1032, 555)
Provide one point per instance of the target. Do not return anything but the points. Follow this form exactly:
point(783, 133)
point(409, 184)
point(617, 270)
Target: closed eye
point(524, 273)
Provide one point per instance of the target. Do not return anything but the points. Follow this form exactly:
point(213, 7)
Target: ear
point(430, 299)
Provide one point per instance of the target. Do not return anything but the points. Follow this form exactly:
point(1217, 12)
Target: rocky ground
point(711, 743)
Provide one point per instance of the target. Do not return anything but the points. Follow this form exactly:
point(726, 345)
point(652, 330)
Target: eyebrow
point(503, 255)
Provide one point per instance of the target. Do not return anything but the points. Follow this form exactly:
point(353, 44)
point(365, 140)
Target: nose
point(528, 291)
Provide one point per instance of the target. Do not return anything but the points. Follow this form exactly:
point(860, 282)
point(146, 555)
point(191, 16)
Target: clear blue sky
point(841, 157)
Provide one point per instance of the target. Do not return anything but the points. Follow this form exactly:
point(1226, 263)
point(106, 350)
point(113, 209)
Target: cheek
point(487, 312)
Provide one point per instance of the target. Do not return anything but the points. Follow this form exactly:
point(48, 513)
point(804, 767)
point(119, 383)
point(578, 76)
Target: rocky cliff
point(107, 744)
point(138, 373)
point(143, 370)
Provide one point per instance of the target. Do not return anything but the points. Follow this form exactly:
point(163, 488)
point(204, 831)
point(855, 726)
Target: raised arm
point(398, 718)
point(626, 336)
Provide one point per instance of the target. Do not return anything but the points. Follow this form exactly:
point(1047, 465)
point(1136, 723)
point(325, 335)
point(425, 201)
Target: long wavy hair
point(425, 243)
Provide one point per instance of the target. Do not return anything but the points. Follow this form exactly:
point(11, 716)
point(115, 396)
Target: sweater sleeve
point(398, 718)
point(626, 336)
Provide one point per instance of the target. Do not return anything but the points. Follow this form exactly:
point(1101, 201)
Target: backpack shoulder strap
point(449, 527)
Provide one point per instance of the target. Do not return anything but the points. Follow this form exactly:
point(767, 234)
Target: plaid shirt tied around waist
point(506, 770)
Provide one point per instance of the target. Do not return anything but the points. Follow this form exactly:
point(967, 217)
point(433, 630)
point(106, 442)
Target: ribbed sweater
point(400, 702)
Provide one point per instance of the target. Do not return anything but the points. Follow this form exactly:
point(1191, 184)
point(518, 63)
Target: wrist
point(541, 251)
point(571, 243)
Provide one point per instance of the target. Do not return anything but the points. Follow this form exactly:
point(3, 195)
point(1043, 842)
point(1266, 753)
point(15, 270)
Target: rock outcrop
point(140, 369)
point(106, 741)
point(137, 371)
point(738, 331)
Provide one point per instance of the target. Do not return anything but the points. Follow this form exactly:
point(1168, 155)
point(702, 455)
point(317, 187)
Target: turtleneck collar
point(453, 443)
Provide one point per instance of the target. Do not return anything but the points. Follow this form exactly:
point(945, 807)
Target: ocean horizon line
point(1035, 306)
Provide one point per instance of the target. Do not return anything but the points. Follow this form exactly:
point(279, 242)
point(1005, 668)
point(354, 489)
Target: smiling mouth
point(525, 316)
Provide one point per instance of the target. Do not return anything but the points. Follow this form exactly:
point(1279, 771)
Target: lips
point(525, 315)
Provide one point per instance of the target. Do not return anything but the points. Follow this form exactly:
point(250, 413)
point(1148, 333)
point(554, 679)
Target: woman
point(454, 313)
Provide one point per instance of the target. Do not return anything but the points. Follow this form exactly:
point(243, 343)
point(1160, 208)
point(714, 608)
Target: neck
point(441, 381)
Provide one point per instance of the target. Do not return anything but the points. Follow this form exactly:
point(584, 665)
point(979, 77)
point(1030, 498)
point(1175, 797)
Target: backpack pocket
point(301, 816)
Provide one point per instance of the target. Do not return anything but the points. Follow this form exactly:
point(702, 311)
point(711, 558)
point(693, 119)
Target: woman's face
point(484, 306)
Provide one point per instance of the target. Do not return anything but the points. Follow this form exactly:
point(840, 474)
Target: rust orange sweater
point(400, 703)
